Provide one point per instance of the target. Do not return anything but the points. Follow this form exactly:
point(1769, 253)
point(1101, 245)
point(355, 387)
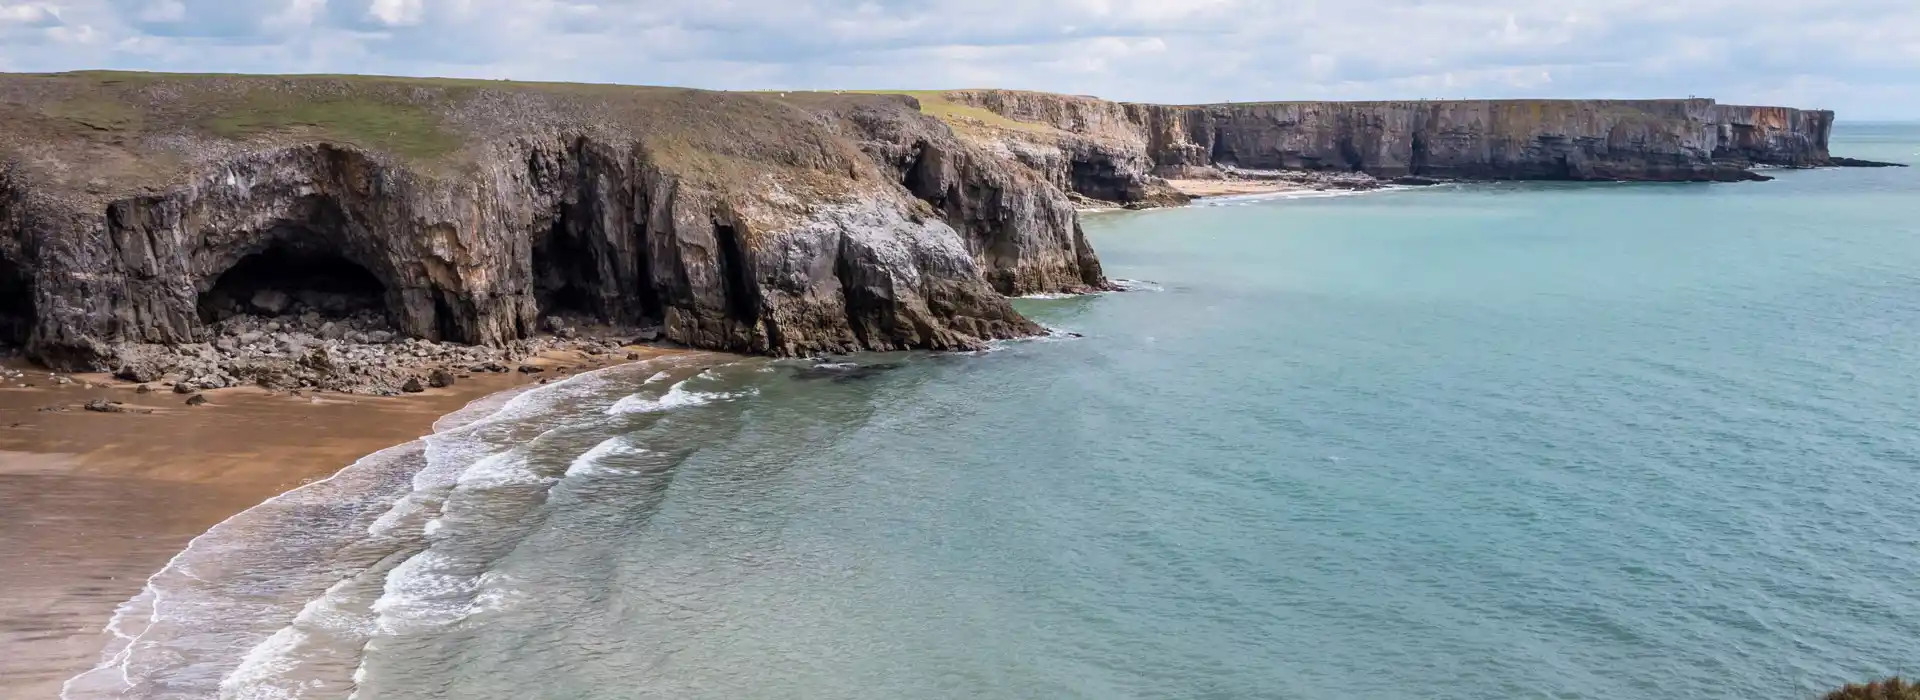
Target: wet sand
point(1228, 188)
point(93, 503)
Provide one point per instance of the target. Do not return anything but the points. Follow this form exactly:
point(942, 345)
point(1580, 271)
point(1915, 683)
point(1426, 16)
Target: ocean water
point(1487, 441)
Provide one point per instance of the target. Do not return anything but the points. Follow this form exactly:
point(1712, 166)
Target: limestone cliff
point(1118, 151)
point(151, 209)
point(135, 207)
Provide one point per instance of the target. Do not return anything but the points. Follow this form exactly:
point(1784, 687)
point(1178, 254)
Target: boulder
point(440, 378)
point(197, 400)
point(412, 386)
point(137, 371)
point(270, 301)
point(105, 406)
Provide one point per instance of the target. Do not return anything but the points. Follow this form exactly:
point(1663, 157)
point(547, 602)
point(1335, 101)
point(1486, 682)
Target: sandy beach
point(96, 502)
point(1228, 188)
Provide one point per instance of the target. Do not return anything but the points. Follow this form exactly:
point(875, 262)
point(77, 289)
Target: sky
point(1860, 57)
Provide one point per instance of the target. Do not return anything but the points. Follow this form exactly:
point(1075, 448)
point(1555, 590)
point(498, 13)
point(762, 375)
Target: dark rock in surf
point(1858, 163)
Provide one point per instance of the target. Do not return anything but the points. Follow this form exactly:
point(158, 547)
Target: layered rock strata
point(1120, 151)
point(141, 210)
point(134, 208)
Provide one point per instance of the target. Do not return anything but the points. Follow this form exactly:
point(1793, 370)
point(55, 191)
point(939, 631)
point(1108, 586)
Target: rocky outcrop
point(144, 211)
point(1118, 151)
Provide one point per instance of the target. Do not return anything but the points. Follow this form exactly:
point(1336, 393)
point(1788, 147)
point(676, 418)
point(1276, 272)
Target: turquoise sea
point(1479, 441)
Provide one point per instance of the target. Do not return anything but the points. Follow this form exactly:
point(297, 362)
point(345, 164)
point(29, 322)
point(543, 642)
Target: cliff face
point(147, 209)
point(137, 208)
point(1118, 149)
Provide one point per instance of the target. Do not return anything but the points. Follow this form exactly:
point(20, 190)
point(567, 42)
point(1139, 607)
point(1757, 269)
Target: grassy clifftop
point(138, 128)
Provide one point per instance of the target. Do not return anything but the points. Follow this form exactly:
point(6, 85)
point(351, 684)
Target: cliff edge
point(1123, 152)
point(147, 209)
point(262, 228)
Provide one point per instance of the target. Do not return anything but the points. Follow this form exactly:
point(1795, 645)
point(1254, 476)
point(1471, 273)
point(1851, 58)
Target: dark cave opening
point(565, 275)
point(16, 304)
point(285, 279)
point(743, 299)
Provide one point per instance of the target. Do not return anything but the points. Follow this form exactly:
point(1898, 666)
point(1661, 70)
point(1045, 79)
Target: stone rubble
point(356, 355)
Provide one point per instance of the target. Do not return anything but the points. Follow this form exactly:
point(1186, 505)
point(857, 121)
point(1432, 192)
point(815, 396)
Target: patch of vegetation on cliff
point(1890, 689)
point(405, 130)
point(935, 103)
point(96, 112)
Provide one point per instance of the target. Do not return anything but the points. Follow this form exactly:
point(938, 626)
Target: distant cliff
point(1117, 151)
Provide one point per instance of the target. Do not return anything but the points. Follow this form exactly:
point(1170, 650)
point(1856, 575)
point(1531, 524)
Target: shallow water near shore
point(1578, 441)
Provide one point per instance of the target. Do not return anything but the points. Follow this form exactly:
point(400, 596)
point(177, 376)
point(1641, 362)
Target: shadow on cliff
point(294, 277)
point(16, 305)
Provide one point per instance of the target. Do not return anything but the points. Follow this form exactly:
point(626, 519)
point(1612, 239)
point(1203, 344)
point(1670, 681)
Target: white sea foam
point(658, 377)
point(173, 631)
point(1044, 296)
point(1138, 286)
point(678, 396)
point(594, 461)
point(262, 673)
point(503, 470)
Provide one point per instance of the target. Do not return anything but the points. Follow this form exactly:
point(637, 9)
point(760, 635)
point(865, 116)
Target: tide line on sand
point(377, 499)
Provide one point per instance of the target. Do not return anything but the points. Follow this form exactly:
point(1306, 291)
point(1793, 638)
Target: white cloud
point(398, 12)
point(1859, 56)
point(26, 13)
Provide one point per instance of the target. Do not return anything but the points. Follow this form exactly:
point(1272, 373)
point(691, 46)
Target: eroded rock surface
point(135, 213)
point(207, 231)
point(1120, 152)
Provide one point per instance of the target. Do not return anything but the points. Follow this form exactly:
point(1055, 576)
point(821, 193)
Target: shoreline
point(98, 502)
point(1205, 191)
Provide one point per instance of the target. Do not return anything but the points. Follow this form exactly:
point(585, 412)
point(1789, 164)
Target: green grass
point(404, 130)
point(96, 113)
point(934, 103)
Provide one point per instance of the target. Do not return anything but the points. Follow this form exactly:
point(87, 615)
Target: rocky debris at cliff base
point(356, 355)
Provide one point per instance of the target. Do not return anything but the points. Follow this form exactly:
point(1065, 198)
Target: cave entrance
point(286, 280)
point(16, 304)
point(566, 276)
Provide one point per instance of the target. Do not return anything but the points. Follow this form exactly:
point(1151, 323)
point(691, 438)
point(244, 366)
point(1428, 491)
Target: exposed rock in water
point(413, 386)
point(197, 400)
point(440, 379)
point(1858, 163)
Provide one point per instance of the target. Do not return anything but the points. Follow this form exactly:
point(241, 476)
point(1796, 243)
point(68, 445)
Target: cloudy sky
point(1858, 56)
